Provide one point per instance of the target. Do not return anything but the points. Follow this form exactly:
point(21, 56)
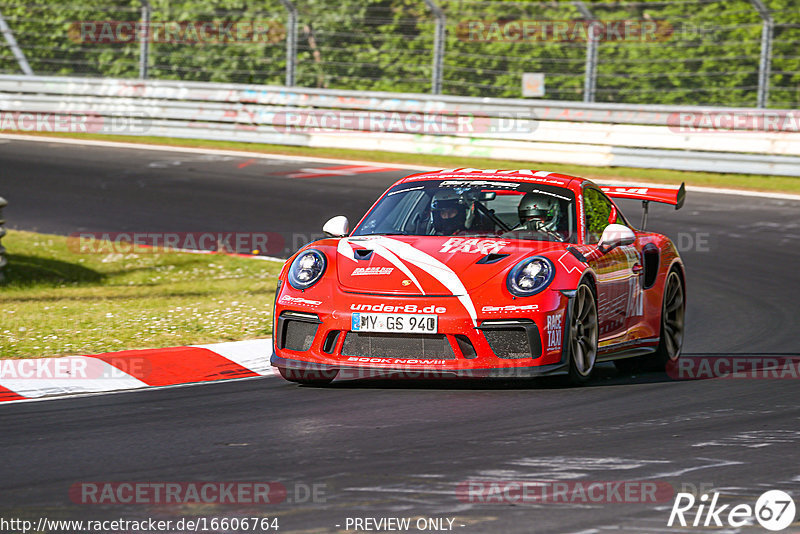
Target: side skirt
point(627, 350)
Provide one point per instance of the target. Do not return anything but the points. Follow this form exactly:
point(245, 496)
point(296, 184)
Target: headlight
point(530, 276)
point(307, 268)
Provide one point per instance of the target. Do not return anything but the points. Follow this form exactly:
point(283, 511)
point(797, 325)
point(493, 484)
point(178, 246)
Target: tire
point(673, 312)
point(583, 336)
point(308, 377)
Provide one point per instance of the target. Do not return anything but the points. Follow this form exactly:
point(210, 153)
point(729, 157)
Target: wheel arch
point(677, 265)
point(589, 278)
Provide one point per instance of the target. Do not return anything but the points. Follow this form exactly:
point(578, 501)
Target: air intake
point(513, 340)
point(296, 331)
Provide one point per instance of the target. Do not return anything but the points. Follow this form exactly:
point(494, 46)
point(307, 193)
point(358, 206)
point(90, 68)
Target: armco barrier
point(527, 130)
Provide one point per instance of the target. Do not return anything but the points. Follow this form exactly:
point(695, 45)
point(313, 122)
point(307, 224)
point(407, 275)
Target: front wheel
point(308, 377)
point(583, 336)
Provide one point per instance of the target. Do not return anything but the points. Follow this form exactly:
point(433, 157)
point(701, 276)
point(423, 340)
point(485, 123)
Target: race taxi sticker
point(473, 246)
point(553, 330)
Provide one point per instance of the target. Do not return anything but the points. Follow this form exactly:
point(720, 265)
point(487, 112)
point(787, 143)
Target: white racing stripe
point(377, 248)
point(386, 246)
point(344, 248)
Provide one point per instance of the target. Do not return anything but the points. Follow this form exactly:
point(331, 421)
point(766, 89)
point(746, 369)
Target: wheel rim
point(583, 340)
point(672, 321)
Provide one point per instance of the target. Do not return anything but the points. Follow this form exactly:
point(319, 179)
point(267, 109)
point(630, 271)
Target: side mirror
point(615, 235)
point(338, 226)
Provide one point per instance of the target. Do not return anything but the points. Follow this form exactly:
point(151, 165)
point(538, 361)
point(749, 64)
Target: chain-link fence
point(731, 52)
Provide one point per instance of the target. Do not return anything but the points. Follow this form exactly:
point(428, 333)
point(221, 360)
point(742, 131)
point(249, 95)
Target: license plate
point(401, 323)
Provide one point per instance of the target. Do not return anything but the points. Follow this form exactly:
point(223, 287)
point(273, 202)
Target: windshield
point(516, 210)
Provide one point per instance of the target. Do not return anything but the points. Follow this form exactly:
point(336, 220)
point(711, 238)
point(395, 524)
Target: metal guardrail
point(271, 95)
point(3, 259)
point(526, 130)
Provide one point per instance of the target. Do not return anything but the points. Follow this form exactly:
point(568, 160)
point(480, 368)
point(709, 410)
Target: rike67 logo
point(774, 510)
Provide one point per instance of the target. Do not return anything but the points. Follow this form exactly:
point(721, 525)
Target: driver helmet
point(538, 210)
point(449, 212)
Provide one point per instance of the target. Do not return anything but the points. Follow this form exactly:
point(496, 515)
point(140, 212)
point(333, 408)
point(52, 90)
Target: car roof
point(508, 175)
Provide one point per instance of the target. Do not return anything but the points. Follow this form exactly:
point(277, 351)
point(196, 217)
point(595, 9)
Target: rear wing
point(663, 195)
point(674, 197)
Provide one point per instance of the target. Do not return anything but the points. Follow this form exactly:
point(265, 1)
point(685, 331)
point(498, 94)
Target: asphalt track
point(402, 449)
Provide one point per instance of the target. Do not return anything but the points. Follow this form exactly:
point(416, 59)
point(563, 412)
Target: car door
point(614, 269)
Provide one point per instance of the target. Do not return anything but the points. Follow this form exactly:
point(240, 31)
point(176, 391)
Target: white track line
point(214, 151)
point(312, 159)
point(119, 391)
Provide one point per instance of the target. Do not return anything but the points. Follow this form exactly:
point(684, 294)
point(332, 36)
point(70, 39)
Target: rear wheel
point(672, 323)
point(583, 336)
point(308, 377)
point(671, 333)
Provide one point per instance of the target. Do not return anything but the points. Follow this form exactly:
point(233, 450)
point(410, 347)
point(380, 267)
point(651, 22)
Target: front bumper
point(505, 339)
point(353, 372)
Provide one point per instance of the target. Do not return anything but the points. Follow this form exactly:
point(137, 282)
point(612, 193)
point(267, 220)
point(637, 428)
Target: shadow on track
point(605, 375)
point(705, 366)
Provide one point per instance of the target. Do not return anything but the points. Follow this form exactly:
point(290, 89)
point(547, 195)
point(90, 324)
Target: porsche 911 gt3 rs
point(482, 273)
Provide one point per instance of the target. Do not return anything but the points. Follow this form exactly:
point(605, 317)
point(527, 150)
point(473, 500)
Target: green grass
point(56, 301)
point(784, 184)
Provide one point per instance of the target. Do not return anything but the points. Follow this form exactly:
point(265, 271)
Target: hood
point(428, 265)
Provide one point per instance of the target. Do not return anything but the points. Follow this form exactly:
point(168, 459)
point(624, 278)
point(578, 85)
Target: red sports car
point(482, 273)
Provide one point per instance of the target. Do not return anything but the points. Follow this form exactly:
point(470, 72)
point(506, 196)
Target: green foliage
point(706, 52)
point(58, 300)
point(597, 211)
